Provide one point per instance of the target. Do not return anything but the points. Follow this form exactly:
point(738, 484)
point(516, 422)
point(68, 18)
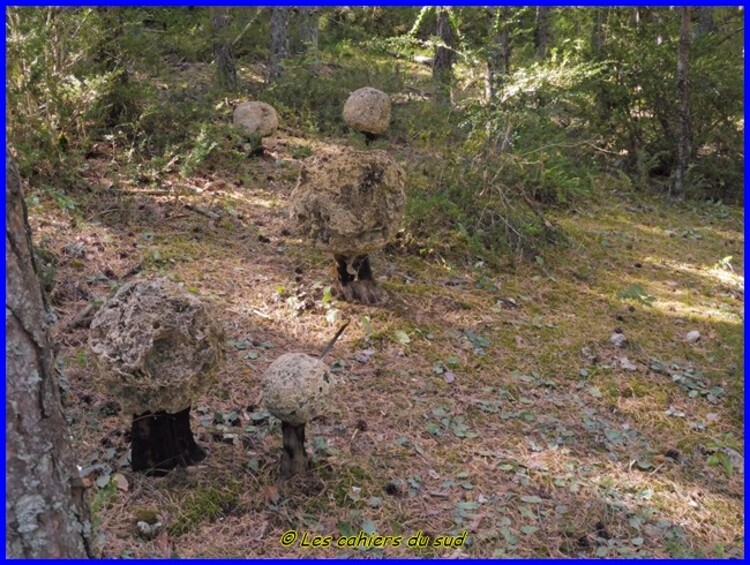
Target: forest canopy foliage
point(543, 101)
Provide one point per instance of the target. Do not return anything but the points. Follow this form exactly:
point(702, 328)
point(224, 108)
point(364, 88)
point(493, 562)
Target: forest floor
point(489, 402)
point(554, 409)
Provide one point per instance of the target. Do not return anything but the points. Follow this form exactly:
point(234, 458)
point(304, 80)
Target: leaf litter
point(542, 461)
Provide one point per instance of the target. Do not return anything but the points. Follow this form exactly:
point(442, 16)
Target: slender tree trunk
point(279, 41)
point(603, 97)
point(445, 56)
point(305, 30)
point(597, 33)
point(45, 511)
point(706, 24)
point(226, 71)
point(498, 60)
point(683, 91)
point(542, 32)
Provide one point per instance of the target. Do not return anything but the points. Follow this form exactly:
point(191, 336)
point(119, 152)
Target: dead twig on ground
point(203, 211)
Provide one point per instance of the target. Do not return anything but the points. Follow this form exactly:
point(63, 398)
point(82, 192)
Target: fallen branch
point(148, 192)
point(203, 211)
point(247, 27)
point(84, 317)
point(135, 269)
point(190, 187)
point(536, 211)
point(333, 340)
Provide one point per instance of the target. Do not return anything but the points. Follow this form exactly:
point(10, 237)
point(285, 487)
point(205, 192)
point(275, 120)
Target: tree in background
point(706, 22)
point(683, 93)
point(597, 33)
point(111, 58)
point(445, 56)
point(45, 513)
point(542, 31)
point(279, 41)
point(304, 36)
point(226, 70)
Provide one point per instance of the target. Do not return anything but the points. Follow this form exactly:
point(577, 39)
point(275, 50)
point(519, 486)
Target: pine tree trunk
point(226, 71)
point(45, 512)
point(542, 32)
point(442, 68)
point(683, 91)
point(279, 41)
point(305, 30)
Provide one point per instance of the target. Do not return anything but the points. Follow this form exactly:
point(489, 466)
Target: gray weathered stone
point(368, 110)
point(159, 345)
point(256, 117)
point(297, 387)
point(351, 202)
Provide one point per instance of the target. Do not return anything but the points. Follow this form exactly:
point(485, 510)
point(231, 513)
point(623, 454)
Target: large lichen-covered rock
point(297, 387)
point(158, 344)
point(350, 203)
point(256, 118)
point(368, 110)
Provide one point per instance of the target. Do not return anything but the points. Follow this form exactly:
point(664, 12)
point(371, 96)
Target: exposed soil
point(493, 403)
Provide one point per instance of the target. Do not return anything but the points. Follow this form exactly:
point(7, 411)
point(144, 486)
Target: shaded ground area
point(556, 409)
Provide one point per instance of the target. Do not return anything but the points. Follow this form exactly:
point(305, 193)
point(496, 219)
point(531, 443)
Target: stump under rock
point(159, 348)
point(162, 441)
point(368, 110)
point(256, 118)
point(356, 281)
point(351, 204)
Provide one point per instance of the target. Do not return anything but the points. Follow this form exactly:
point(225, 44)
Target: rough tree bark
point(226, 70)
point(161, 441)
point(45, 511)
point(279, 41)
point(683, 91)
point(542, 32)
point(305, 30)
point(356, 281)
point(445, 56)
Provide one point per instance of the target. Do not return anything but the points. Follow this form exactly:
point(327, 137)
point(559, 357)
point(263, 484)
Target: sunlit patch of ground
point(494, 403)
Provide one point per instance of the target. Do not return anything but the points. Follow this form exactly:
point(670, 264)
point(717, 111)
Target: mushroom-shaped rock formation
point(351, 204)
point(256, 118)
point(159, 348)
point(296, 388)
point(368, 110)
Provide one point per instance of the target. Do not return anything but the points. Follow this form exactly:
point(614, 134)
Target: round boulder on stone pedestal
point(159, 348)
point(296, 388)
point(256, 118)
point(368, 110)
point(350, 204)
